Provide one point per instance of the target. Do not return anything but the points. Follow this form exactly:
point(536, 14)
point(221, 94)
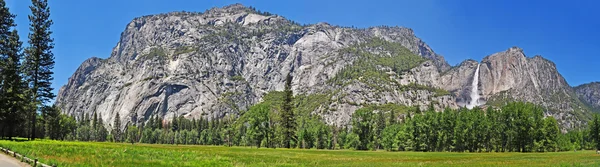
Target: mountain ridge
point(224, 60)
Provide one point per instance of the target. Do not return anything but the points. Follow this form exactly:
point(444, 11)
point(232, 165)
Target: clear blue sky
point(566, 32)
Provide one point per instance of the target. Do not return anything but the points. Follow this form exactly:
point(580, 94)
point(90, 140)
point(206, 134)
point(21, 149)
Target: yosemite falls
point(475, 90)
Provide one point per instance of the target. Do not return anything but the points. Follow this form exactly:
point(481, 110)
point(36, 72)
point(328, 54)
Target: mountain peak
point(231, 9)
point(515, 49)
point(235, 6)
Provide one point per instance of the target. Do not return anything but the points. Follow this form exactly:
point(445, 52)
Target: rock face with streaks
point(224, 60)
point(589, 93)
point(510, 75)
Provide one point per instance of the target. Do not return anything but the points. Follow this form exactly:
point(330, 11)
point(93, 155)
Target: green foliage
point(353, 141)
point(13, 99)
point(552, 133)
point(288, 121)
point(306, 104)
point(52, 119)
point(132, 134)
point(259, 124)
point(238, 78)
point(594, 130)
point(390, 135)
point(414, 86)
point(184, 50)
point(517, 127)
point(127, 84)
point(116, 132)
point(373, 56)
point(362, 125)
point(155, 52)
point(145, 79)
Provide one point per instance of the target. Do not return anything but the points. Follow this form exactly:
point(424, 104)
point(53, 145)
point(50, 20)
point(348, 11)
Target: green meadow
point(121, 154)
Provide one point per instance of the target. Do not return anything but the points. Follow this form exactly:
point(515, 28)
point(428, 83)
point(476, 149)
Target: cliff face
point(590, 93)
point(510, 75)
point(224, 60)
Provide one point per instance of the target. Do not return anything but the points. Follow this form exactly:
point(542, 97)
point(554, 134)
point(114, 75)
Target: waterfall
point(474, 90)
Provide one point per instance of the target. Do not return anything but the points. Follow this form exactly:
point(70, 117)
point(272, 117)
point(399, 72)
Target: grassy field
point(121, 154)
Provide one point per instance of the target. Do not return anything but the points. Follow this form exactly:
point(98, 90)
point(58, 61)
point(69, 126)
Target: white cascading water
point(474, 90)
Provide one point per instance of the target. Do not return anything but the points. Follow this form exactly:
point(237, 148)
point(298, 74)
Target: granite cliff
point(221, 61)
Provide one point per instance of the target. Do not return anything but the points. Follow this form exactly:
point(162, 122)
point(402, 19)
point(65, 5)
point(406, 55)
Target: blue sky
point(566, 32)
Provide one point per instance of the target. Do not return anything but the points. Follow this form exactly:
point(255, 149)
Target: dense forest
point(514, 127)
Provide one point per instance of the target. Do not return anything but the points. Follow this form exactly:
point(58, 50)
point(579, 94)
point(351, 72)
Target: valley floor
point(122, 154)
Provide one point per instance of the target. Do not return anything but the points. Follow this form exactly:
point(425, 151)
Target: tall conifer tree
point(288, 122)
point(39, 59)
point(12, 86)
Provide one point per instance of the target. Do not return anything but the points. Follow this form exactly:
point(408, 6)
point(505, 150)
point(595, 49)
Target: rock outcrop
point(590, 93)
point(224, 60)
point(510, 75)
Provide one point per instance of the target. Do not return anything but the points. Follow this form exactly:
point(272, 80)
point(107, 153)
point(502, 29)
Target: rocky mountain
point(224, 60)
point(589, 93)
point(510, 75)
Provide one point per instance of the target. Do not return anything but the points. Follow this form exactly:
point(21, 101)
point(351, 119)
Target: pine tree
point(595, 131)
point(393, 117)
point(95, 121)
point(101, 131)
point(117, 128)
point(287, 114)
point(380, 125)
point(11, 98)
point(174, 124)
point(150, 124)
point(52, 122)
point(39, 59)
point(132, 134)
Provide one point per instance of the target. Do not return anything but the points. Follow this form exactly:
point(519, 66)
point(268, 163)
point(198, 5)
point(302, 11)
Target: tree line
point(514, 127)
point(26, 74)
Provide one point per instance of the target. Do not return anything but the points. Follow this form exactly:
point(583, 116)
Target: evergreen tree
point(68, 125)
point(132, 134)
point(362, 126)
point(11, 86)
point(12, 98)
point(95, 121)
point(379, 126)
point(551, 134)
point(595, 131)
point(159, 122)
point(101, 131)
point(174, 124)
point(150, 124)
point(393, 117)
point(39, 59)
point(288, 121)
point(52, 122)
point(117, 128)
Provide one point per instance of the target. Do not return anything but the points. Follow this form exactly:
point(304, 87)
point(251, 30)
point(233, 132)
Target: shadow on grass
point(17, 139)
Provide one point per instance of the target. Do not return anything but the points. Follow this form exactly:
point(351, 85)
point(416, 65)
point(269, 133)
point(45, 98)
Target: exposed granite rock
point(224, 60)
point(510, 75)
point(590, 93)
